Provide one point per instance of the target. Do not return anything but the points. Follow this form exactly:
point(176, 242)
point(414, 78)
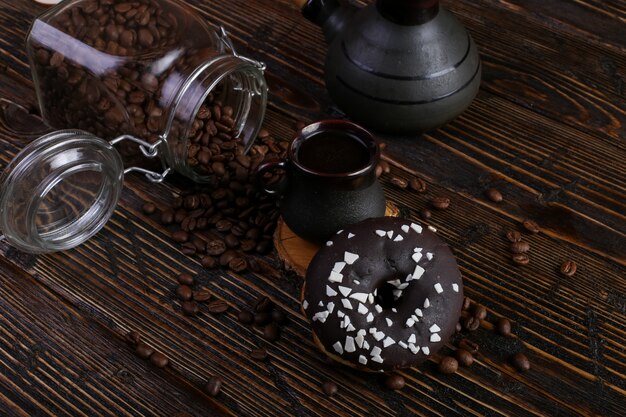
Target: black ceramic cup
point(330, 179)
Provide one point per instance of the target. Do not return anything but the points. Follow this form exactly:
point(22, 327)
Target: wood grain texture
point(547, 129)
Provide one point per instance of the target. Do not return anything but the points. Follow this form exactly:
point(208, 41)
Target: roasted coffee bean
point(188, 224)
point(188, 249)
point(513, 236)
point(503, 326)
point(258, 354)
point(245, 317)
point(394, 382)
point(227, 256)
point(215, 247)
point(330, 388)
point(199, 244)
point(132, 337)
point(185, 279)
point(213, 386)
point(494, 195)
point(238, 264)
point(190, 308)
point(469, 346)
point(471, 323)
point(263, 318)
point(279, 317)
point(480, 312)
point(143, 350)
point(271, 332)
point(217, 307)
point(201, 295)
point(464, 357)
point(180, 215)
point(568, 268)
point(191, 202)
point(223, 225)
point(167, 217)
point(184, 292)
point(231, 241)
point(467, 303)
point(448, 365)
point(440, 203)
point(159, 360)
point(425, 214)
point(180, 236)
point(418, 185)
point(149, 208)
point(399, 182)
point(520, 259)
point(520, 362)
point(531, 226)
point(247, 245)
point(208, 262)
point(519, 247)
point(263, 304)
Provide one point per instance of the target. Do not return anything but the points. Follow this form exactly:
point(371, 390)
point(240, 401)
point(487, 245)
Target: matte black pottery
point(397, 66)
point(330, 180)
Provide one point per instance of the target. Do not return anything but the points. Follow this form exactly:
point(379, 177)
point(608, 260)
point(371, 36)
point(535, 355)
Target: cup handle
point(268, 166)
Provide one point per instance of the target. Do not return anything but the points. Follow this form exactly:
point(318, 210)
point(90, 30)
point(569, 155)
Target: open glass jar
point(148, 74)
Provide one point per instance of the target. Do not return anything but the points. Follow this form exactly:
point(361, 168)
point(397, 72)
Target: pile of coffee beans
point(518, 248)
point(265, 314)
point(190, 300)
point(145, 351)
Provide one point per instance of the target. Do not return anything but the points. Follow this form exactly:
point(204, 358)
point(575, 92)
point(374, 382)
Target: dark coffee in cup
point(333, 152)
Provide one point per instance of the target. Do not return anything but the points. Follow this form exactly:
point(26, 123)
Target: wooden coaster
point(296, 253)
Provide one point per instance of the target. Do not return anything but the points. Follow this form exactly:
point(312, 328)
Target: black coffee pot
point(397, 66)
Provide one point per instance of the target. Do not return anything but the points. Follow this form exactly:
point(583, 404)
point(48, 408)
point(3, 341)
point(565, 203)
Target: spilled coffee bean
point(448, 365)
point(568, 268)
point(217, 307)
point(330, 388)
point(394, 382)
point(520, 362)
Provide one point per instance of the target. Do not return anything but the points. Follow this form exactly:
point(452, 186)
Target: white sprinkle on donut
point(403, 286)
point(359, 296)
point(373, 330)
point(455, 287)
point(426, 350)
point(395, 310)
point(398, 238)
point(414, 349)
point(362, 360)
point(438, 288)
point(362, 309)
point(356, 281)
point(418, 272)
point(405, 228)
point(377, 359)
point(370, 318)
point(388, 342)
point(435, 337)
point(350, 328)
point(417, 249)
point(321, 316)
point(338, 348)
point(346, 303)
point(305, 304)
point(389, 322)
point(378, 308)
point(426, 303)
point(338, 267)
point(370, 299)
point(403, 345)
point(379, 336)
point(397, 294)
point(376, 351)
point(340, 314)
point(409, 322)
point(366, 345)
point(434, 328)
point(350, 235)
point(416, 256)
point(412, 339)
point(350, 257)
point(416, 227)
point(394, 282)
point(360, 338)
point(390, 234)
point(345, 291)
point(335, 277)
point(429, 256)
point(418, 312)
point(340, 232)
point(330, 306)
point(380, 233)
point(329, 243)
point(330, 292)
point(349, 345)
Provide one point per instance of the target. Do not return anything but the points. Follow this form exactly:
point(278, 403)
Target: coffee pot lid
point(59, 191)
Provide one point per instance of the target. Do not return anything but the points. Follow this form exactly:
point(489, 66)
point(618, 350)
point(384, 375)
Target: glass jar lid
point(59, 191)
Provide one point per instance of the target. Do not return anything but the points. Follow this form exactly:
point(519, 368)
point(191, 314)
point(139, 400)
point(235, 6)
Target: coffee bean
point(132, 337)
point(180, 236)
point(467, 302)
point(464, 357)
point(227, 256)
point(425, 214)
point(223, 225)
point(480, 312)
point(215, 247)
point(258, 354)
point(271, 332)
point(329, 388)
point(440, 203)
point(448, 365)
point(167, 217)
point(262, 318)
point(143, 350)
point(503, 326)
point(394, 382)
point(217, 307)
point(263, 304)
point(159, 360)
point(190, 308)
point(418, 185)
point(238, 264)
point(148, 208)
point(531, 226)
point(568, 268)
point(184, 293)
point(520, 362)
point(519, 247)
point(279, 317)
point(213, 386)
point(202, 295)
point(231, 241)
point(188, 249)
point(513, 236)
point(494, 195)
point(471, 323)
point(520, 259)
point(469, 346)
point(245, 317)
point(208, 262)
point(399, 182)
point(185, 279)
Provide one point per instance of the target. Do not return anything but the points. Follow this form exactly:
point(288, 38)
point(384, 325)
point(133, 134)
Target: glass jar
point(144, 74)
point(145, 68)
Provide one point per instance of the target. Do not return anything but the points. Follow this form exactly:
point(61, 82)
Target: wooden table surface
point(547, 129)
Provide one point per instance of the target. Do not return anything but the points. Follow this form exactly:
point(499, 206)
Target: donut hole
point(385, 296)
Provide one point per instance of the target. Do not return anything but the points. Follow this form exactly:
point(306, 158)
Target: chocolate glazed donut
point(383, 294)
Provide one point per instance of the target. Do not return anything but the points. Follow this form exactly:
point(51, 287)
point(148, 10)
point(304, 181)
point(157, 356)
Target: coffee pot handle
point(276, 184)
